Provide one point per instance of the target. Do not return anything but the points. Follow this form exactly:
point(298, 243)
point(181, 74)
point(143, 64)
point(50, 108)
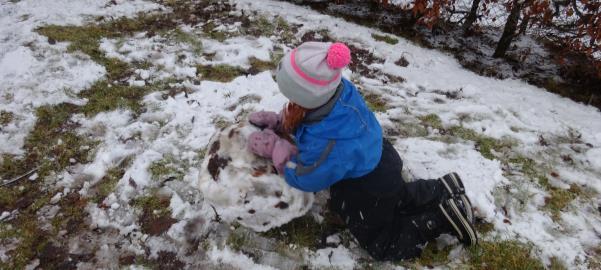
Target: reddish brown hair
point(293, 115)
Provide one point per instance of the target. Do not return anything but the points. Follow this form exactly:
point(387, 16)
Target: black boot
point(455, 189)
point(459, 217)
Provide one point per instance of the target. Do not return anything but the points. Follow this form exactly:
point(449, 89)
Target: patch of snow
point(238, 260)
point(35, 73)
point(337, 258)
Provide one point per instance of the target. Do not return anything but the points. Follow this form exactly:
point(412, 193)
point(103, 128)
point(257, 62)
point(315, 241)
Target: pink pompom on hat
point(310, 74)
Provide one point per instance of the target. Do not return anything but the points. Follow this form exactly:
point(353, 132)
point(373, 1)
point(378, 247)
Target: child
point(339, 146)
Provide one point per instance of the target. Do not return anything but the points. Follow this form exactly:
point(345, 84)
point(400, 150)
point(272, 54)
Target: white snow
point(337, 258)
point(35, 73)
point(238, 260)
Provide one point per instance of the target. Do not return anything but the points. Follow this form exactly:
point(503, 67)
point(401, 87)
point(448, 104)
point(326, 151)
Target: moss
point(87, 38)
point(505, 254)
point(484, 144)
point(303, 231)
point(386, 38)
point(168, 167)
point(432, 256)
point(71, 214)
point(527, 166)
point(187, 38)
point(375, 102)
point(156, 213)
point(31, 241)
point(257, 66)
point(155, 202)
point(558, 198)
point(209, 29)
point(263, 26)
point(431, 120)
point(594, 261)
point(5, 118)
point(220, 73)
point(286, 32)
point(237, 239)
point(103, 96)
point(107, 184)
point(484, 227)
point(556, 264)
point(220, 122)
point(52, 143)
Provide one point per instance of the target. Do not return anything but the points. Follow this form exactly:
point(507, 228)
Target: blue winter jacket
point(339, 140)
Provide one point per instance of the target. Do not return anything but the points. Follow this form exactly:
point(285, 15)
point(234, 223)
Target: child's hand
point(282, 151)
point(262, 142)
point(265, 119)
point(269, 145)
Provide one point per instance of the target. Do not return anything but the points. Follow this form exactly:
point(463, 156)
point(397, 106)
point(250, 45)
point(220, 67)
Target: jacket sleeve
point(318, 174)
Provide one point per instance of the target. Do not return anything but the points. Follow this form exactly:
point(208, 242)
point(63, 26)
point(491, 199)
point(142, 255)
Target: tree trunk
point(509, 32)
point(471, 17)
point(524, 25)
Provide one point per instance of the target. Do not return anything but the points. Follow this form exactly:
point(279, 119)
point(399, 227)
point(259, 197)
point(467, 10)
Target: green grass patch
point(433, 256)
point(107, 184)
point(375, 102)
point(210, 29)
point(303, 232)
point(385, 38)
point(257, 66)
point(431, 120)
point(484, 144)
point(105, 96)
point(527, 166)
point(71, 214)
point(484, 227)
point(31, 241)
point(237, 240)
point(556, 264)
point(168, 167)
point(558, 198)
point(6, 117)
point(506, 254)
point(156, 202)
point(53, 143)
point(180, 36)
point(156, 213)
point(220, 122)
point(220, 73)
point(53, 137)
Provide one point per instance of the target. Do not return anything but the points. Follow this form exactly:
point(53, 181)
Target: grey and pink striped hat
point(309, 74)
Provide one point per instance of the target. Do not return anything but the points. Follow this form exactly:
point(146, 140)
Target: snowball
point(246, 188)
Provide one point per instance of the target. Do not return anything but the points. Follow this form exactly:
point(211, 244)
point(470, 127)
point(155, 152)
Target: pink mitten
point(262, 142)
point(282, 151)
point(269, 145)
point(265, 119)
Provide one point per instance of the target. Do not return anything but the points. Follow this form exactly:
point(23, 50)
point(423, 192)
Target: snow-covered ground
point(425, 115)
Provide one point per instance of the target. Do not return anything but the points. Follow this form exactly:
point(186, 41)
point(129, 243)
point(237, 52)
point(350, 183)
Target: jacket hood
point(343, 117)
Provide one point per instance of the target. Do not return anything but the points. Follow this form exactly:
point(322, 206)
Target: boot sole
point(458, 189)
point(465, 231)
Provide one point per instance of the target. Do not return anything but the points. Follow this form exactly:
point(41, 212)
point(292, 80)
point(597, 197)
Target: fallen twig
point(217, 217)
point(19, 177)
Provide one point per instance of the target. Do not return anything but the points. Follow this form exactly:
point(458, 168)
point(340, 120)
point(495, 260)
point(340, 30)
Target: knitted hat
point(309, 74)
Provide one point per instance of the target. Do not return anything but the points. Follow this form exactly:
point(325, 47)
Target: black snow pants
point(392, 219)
